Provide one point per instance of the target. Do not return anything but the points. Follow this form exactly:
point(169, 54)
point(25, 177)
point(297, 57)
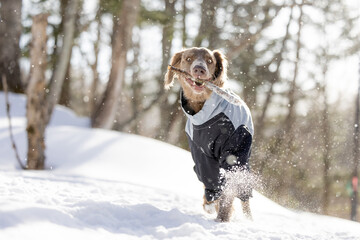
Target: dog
point(219, 132)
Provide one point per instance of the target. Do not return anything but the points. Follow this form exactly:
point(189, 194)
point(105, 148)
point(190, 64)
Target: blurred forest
point(106, 59)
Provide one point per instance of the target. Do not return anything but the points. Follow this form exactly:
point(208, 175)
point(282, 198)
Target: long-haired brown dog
point(219, 131)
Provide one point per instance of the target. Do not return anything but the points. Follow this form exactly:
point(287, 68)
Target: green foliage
point(110, 6)
point(154, 16)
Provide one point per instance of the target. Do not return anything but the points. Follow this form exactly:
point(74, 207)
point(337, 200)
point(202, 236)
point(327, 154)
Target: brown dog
point(219, 132)
point(201, 63)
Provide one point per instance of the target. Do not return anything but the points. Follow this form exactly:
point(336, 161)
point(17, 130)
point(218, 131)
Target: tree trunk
point(168, 35)
point(136, 87)
point(356, 152)
point(284, 138)
point(105, 114)
point(64, 58)
point(65, 94)
point(208, 29)
point(326, 147)
point(95, 83)
point(291, 95)
point(184, 34)
point(10, 31)
point(261, 119)
point(35, 112)
point(176, 127)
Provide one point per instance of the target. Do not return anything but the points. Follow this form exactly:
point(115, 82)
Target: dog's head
point(202, 64)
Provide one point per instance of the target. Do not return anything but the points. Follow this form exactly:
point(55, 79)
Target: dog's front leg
point(225, 207)
point(211, 207)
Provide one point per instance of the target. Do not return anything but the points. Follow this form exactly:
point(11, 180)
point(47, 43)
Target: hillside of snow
point(108, 185)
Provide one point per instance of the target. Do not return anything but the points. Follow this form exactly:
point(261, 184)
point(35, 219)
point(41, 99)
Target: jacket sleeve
point(236, 151)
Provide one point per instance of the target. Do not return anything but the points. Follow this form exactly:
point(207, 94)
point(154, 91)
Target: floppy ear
point(221, 65)
point(169, 76)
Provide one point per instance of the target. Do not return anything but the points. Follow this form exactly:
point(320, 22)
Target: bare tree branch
point(10, 125)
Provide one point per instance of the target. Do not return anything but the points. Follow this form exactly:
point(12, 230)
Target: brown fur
point(214, 65)
point(225, 208)
point(206, 203)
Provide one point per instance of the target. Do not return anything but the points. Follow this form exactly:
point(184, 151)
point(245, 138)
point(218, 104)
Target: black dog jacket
point(220, 137)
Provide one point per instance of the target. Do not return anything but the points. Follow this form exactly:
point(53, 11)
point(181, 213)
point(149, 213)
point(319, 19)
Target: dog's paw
point(221, 220)
point(210, 207)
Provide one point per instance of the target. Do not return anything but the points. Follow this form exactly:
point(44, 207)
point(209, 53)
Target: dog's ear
point(221, 65)
point(169, 76)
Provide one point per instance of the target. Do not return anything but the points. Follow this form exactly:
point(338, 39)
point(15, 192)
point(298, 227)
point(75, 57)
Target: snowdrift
point(108, 185)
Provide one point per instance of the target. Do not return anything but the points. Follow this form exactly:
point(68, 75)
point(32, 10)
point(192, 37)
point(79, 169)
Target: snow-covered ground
point(108, 185)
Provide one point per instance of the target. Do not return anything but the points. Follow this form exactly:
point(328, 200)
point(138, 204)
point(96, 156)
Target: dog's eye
point(188, 59)
point(209, 61)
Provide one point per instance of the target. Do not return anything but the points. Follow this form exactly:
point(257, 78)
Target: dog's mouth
point(196, 84)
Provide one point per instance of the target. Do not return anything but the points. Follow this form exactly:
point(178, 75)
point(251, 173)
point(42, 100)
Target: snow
point(103, 184)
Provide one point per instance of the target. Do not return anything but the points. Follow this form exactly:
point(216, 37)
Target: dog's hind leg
point(246, 209)
point(225, 208)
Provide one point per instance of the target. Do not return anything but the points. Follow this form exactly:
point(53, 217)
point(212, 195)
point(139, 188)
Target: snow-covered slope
point(108, 185)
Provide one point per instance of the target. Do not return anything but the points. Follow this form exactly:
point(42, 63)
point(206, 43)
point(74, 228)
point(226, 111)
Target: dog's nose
point(199, 70)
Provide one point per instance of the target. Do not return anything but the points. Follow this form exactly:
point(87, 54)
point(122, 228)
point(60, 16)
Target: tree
point(123, 23)
point(63, 60)
point(65, 93)
point(290, 118)
point(10, 31)
point(94, 65)
point(356, 155)
point(35, 111)
point(184, 33)
point(326, 137)
point(275, 77)
point(167, 38)
point(242, 51)
point(208, 29)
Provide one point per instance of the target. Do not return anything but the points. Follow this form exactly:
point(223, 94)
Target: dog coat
point(220, 137)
